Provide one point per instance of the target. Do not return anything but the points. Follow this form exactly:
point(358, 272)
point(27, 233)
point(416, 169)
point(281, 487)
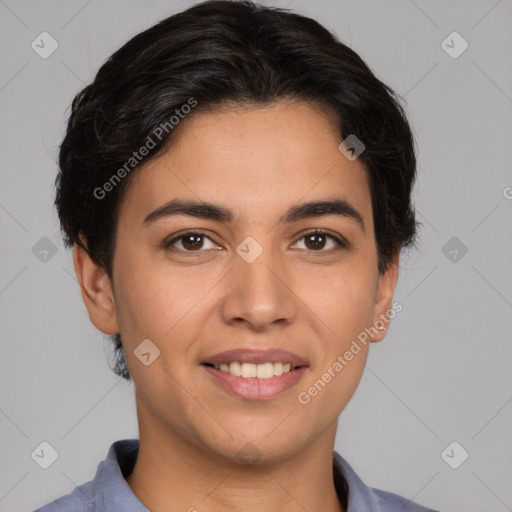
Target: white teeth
point(278, 369)
point(249, 370)
point(235, 368)
point(264, 371)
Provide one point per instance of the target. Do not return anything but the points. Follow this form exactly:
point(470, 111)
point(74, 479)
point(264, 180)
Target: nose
point(259, 294)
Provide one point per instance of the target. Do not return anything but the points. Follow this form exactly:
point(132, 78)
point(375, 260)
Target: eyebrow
point(206, 210)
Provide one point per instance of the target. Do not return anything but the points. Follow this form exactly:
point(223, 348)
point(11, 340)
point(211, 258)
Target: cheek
point(166, 306)
point(151, 300)
point(344, 303)
point(338, 370)
point(325, 395)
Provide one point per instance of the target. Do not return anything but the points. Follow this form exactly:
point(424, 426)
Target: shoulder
point(108, 489)
point(390, 502)
point(362, 497)
point(77, 501)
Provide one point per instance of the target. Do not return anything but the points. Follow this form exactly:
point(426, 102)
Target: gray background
point(443, 372)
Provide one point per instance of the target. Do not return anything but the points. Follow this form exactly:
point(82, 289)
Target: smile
point(249, 370)
point(243, 380)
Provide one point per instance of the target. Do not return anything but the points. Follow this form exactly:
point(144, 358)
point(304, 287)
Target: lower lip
point(253, 388)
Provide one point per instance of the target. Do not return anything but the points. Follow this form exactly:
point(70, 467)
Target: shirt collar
point(109, 490)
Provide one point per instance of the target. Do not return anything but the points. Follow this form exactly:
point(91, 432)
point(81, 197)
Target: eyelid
point(340, 241)
point(168, 242)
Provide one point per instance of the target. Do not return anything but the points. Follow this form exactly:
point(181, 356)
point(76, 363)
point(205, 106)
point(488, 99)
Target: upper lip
point(255, 356)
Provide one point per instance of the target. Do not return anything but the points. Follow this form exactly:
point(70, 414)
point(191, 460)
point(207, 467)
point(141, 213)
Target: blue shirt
point(109, 492)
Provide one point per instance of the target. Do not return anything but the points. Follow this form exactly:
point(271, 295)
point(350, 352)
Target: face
point(252, 276)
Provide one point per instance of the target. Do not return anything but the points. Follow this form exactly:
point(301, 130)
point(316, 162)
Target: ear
point(384, 301)
point(96, 291)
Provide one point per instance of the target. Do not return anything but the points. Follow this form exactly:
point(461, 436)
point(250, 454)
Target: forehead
point(257, 161)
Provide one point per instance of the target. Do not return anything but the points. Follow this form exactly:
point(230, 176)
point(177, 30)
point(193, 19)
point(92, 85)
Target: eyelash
point(340, 242)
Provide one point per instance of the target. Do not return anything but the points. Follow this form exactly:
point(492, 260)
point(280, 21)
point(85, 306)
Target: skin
point(310, 299)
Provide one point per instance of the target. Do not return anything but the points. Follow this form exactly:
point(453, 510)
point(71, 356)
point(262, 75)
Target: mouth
point(255, 375)
point(265, 370)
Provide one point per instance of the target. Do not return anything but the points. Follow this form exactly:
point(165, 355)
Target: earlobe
point(96, 291)
point(384, 302)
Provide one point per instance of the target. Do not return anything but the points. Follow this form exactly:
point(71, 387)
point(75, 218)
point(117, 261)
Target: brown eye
point(317, 241)
point(191, 241)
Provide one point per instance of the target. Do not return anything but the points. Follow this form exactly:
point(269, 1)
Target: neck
point(172, 473)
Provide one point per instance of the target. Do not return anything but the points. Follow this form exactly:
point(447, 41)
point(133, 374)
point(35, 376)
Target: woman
point(236, 187)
